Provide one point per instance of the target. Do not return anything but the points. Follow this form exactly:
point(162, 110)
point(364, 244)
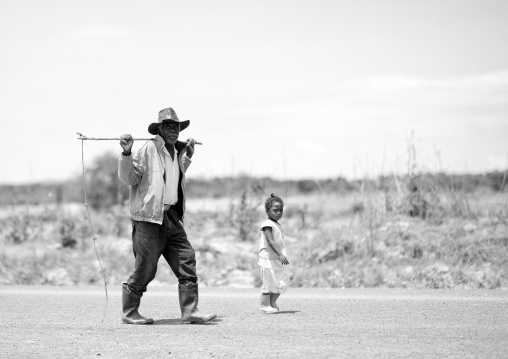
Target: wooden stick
point(83, 137)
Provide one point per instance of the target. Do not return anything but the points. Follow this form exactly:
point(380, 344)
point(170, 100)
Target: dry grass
point(364, 239)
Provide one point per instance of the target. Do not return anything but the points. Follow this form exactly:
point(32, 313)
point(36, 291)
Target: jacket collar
point(159, 143)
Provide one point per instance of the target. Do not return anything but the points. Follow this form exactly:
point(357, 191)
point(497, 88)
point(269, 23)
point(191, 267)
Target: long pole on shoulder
point(83, 137)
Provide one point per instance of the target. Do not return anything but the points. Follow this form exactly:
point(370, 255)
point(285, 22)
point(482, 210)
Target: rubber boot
point(188, 296)
point(265, 304)
point(273, 300)
point(130, 307)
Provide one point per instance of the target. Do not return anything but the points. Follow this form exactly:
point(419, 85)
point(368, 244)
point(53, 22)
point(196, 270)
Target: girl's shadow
point(287, 312)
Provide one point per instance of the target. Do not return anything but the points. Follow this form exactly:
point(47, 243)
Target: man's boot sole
point(210, 318)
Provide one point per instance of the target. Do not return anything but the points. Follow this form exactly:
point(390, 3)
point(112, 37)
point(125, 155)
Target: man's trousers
point(149, 242)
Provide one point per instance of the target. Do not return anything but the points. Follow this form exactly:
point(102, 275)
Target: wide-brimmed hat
point(167, 115)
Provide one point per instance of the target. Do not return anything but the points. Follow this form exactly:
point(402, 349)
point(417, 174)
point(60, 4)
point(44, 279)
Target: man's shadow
point(178, 322)
point(213, 322)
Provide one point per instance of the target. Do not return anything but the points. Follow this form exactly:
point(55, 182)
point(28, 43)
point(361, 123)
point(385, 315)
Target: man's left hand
point(190, 147)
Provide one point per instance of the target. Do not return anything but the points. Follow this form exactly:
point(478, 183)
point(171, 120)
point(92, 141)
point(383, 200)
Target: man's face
point(169, 132)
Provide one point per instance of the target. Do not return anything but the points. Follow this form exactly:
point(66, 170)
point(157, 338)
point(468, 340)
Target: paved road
point(55, 322)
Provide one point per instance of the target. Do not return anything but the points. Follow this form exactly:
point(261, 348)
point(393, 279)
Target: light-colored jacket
point(144, 173)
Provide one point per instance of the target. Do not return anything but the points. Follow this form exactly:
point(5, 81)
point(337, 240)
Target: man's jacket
point(144, 173)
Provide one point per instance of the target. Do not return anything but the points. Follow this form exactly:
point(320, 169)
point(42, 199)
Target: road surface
point(74, 322)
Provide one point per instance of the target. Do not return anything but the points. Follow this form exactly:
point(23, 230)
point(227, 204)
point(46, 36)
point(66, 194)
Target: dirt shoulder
point(74, 322)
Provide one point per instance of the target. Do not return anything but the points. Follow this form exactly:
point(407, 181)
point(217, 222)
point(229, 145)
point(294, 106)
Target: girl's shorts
point(274, 280)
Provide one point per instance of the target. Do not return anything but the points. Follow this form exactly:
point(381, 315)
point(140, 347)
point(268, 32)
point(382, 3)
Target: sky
point(287, 89)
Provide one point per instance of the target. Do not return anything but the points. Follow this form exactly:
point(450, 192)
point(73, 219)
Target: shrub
point(246, 214)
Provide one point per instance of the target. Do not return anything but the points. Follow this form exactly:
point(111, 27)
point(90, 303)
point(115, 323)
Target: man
point(156, 176)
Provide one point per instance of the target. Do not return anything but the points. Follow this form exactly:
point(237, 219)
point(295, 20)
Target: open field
point(356, 240)
point(60, 322)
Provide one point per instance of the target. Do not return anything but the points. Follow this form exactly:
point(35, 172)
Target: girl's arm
point(276, 248)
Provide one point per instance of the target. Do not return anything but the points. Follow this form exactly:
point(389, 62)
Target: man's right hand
point(126, 141)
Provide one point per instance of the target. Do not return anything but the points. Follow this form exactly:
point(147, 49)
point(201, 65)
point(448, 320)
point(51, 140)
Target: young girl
point(272, 256)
